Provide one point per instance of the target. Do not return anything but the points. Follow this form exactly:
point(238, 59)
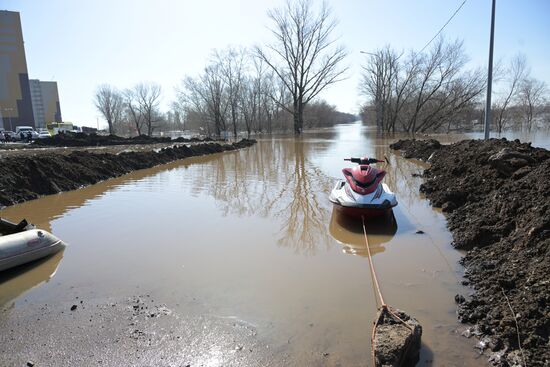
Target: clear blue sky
point(82, 44)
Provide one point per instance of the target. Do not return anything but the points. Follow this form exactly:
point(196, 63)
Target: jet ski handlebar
point(364, 160)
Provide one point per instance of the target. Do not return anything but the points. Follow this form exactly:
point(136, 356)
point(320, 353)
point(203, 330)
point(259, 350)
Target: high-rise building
point(45, 102)
point(15, 95)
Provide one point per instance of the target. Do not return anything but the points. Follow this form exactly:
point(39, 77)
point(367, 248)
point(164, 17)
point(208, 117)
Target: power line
point(442, 28)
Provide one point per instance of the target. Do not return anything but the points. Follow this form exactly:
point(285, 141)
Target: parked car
point(9, 135)
point(44, 135)
point(22, 133)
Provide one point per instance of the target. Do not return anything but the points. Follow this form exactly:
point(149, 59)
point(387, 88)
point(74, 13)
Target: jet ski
point(362, 193)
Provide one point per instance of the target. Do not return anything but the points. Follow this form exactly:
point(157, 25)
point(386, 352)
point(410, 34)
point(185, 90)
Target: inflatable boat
point(22, 243)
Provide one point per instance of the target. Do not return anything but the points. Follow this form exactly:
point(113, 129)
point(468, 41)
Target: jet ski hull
point(377, 203)
point(361, 212)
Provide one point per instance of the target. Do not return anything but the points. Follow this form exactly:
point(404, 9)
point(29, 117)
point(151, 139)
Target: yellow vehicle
point(55, 128)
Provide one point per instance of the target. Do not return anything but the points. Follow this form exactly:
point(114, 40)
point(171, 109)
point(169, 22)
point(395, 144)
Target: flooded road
point(243, 255)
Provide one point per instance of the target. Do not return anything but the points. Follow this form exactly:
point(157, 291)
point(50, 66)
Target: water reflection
point(44, 211)
point(16, 281)
point(348, 232)
point(274, 179)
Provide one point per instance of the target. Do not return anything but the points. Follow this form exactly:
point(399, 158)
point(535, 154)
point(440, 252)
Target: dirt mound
point(495, 196)
point(31, 176)
point(419, 149)
point(87, 140)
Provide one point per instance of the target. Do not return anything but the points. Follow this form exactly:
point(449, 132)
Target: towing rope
point(383, 306)
point(371, 265)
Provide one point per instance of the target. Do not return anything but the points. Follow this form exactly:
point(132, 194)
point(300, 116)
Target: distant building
point(45, 102)
point(15, 96)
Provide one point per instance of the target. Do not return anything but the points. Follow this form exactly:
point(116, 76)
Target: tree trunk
point(298, 117)
point(234, 120)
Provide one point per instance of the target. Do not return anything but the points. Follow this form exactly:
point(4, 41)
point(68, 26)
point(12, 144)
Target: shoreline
point(494, 196)
point(28, 175)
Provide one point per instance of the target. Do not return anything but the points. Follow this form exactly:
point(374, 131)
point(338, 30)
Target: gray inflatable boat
point(22, 243)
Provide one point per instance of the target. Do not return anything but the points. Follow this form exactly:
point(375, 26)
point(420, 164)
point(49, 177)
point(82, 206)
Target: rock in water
point(395, 344)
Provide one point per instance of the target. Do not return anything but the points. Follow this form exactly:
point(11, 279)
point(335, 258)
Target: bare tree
point(108, 100)
point(381, 82)
point(532, 98)
point(438, 68)
point(214, 94)
point(514, 77)
point(249, 105)
point(303, 56)
point(206, 97)
point(147, 97)
point(232, 67)
point(191, 96)
point(133, 111)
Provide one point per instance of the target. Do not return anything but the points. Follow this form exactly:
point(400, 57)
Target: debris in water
point(73, 307)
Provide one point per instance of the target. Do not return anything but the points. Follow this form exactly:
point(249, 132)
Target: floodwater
point(251, 236)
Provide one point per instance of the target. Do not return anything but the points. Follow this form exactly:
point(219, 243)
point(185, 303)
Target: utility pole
point(490, 75)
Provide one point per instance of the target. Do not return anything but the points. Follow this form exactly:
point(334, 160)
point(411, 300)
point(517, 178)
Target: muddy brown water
point(250, 236)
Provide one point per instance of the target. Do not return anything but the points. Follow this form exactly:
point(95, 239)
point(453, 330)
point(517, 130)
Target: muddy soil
point(418, 149)
point(495, 195)
point(81, 140)
point(29, 176)
point(128, 331)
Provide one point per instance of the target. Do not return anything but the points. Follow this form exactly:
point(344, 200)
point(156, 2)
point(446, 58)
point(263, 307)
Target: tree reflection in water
point(273, 179)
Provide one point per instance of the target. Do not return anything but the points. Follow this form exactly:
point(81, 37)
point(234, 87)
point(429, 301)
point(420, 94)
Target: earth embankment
point(496, 197)
point(28, 175)
point(81, 140)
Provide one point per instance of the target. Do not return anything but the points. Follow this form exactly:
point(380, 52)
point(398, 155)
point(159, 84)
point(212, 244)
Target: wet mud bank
point(495, 195)
point(83, 140)
point(27, 177)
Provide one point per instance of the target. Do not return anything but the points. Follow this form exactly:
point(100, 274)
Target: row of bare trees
point(434, 90)
point(238, 91)
point(235, 92)
point(522, 100)
point(130, 110)
point(420, 91)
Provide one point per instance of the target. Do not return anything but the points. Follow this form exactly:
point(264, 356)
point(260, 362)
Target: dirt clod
point(396, 344)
